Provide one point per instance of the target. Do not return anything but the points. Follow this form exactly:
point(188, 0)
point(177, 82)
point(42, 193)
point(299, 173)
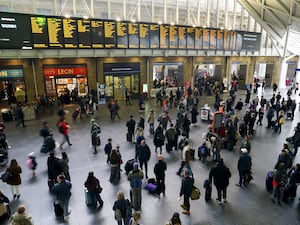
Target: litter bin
point(6, 116)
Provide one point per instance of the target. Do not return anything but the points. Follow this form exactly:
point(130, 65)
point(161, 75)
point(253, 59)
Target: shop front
point(121, 77)
point(264, 71)
point(66, 80)
point(239, 73)
point(12, 84)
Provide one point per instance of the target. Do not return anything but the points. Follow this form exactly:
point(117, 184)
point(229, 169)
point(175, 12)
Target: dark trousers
point(161, 184)
point(220, 191)
point(181, 167)
point(146, 167)
point(20, 120)
point(242, 174)
point(186, 201)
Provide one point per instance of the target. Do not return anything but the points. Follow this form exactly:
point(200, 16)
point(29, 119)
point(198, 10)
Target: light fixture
point(118, 19)
point(159, 22)
point(222, 28)
point(133, 20)
point(67, 16)
point(204, 26)
point(172, 23)
point(194, 25)
point(85, 17)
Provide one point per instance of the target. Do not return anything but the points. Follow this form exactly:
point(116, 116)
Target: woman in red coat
point(15, 179)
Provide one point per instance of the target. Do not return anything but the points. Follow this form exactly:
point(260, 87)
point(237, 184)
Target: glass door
point(120, 85)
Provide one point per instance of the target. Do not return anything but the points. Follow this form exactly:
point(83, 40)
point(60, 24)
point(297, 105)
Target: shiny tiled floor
point(245, 206)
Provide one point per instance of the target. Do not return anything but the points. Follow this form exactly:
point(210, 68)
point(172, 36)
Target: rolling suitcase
point(269, 180)
point(286, 195)
point(58, 210)
point(88, 198)
point(76, 113)
point(129, 165)
point(129, 137)
point(98, 140)
point(208, 190)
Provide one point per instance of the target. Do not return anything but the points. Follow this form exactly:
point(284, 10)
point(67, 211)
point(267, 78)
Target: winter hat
point(31, 154)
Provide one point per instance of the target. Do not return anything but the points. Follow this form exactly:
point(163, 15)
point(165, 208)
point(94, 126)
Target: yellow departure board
point(144, 35)
point(39, 32)
point(122, 36)
point(133, 35)
point(182, 39)
point(110, 34)
point(84, 33)
point(97, 33)
point(164, 36)
point(55, 32)
point(70, 33)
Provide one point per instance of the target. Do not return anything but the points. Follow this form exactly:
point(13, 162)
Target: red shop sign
point(65, 71)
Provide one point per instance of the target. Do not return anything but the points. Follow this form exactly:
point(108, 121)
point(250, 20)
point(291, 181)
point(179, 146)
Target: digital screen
point(122, 35)
point(173, 36)
point(220, 39)
point(110, 34)
point(133, 35)
point(164, 36)
point(154, 36)
point(190, 37)
point(144, 35)
point(55, 32)
point(213, 39)
point(206, 38)
point(251, 41)
point(84, 33)
point(198, 38)
point(97, 27)
point(70, 33)
point(15, 31)
point(182, 39)
point(39, 32)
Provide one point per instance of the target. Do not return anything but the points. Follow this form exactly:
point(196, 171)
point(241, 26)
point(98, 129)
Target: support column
point(282, 74)
point(298, 72)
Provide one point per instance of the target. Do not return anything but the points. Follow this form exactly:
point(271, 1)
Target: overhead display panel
point(15, 31)
point(220, 39)
point(213, 39)
point(110, 34)
point(55, 32)
point(122, 35)
point(97, 27)
point(251, 41)
point(164, 36)
point(190, 37)
point(182, 37)
point(39, 30)
point(133, 35)
point(70, 33)
point(154, 36)
point(173, 36)
point(198, 38)
point(206, 38)
point(144, 35)
point(84, 33)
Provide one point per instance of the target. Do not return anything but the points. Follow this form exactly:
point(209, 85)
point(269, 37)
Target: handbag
point(6, 176)
point(118, 215)
point(195, 193)
point(99, 190)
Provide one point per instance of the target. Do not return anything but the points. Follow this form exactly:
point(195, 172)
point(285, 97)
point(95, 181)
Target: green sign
point(11, 73)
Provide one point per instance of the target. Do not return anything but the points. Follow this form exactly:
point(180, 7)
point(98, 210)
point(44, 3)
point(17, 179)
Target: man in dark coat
point(130, 126)
point(143, 155)
point(54, 169)
point(220, 175)
point(187, 184)
point(20, 116)
point(159, 171)
point(244, 167)
point(296, 140)
point(171, 137)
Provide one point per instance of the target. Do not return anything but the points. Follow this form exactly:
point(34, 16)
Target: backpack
point(136, 181)
point(61, 129)
point(29, 163)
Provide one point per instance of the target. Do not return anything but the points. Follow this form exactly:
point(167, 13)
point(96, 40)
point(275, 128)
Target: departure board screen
point(206, 38)
point(220, 39)
point(84, 33)
point(198, 38)
point(173, 36)
point(39, 32)
point(122, 35)
point(232, 40)
point(55, 32)
point(182, 37)
point(70, 33)
point(213, 39)
point(226, 40)
point(15, 31)
point(239, 41)
point(190, 37)
point(154, 36)
point(251, 41)
point(133, 35)
point(97, 27)
point(110, 34)
point(144, 35)
point(164, 36)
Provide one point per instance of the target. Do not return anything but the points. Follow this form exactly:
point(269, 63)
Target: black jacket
point(244, 162)
point(143, 153)
point(124, 206)
point(159, 169)
point(54, 167)
point(220, 175)
point(130, 125)
point(187, 184)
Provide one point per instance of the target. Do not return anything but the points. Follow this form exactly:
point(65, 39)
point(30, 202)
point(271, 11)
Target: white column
point(298, 72)
point(282, 75)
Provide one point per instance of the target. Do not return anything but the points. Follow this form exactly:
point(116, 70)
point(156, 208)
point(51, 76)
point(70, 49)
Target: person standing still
point(95, 130)
point(187, 184)
point(130, 127)
point(63, 127)
point(15, 180)
point(20, 116)
point(135, 177)
point(151, 121)
point(107, 149)
point(143, 155)
point(159, 171)
point(62, 192)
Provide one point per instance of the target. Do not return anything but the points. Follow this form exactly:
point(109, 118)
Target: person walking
point(94, 188)
point(127, 96)
point(296, 140)
point(187, 184)
point(62, 192)
point(185, 156)
point(143, 155)
point(220, 175)
point(64, 163)
point(159, 171)
point(15, 170)
point(32, 163)
point(135, 177)
point(171, 138)
point(20, 115)
point(114, 159)
point(244, 167)
point(107, 149)
point(151, 121)
point(21, 217)
point(64, 130)
point(122, 208)
point(54, 169)
point(278, 181)
point(130, 128)
point(95, 130)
